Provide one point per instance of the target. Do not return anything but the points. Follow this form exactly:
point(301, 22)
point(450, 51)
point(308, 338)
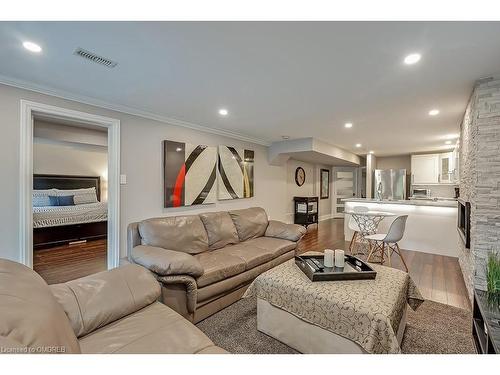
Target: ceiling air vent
point(91, 56)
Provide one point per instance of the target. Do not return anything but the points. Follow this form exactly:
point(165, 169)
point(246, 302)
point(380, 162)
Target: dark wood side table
point(306, 210)
point(486, 323)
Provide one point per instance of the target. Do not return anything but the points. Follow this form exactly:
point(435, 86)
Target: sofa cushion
point(166, 262)
point(252, 255)
point(30, 316)
point(276, 246)
point(218, 265)
point(181, 233)
point(250, 222)
point(220, 229)
point(291, 232)
point(99, 299)
point(155, 329)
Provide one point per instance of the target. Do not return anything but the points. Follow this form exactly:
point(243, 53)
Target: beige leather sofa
point(205, 262)
point(109, 312)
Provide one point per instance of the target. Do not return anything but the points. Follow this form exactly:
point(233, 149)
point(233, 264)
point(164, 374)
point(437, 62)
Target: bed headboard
point(65, 182)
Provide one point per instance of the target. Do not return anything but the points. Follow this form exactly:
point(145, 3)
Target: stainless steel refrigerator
point(389, 184)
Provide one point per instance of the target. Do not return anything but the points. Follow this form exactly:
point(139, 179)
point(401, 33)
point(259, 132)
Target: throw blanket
point(367, 312)
point(51, 216)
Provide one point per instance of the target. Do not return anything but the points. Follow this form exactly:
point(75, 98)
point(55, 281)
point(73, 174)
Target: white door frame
point(30, 109)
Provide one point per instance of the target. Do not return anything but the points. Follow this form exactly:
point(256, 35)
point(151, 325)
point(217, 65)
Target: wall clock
point(300, 176)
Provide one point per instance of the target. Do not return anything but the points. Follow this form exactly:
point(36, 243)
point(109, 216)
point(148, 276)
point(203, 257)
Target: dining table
point(368, 222)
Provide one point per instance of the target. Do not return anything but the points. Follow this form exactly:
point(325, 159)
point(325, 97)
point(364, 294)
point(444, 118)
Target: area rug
point(434, 328)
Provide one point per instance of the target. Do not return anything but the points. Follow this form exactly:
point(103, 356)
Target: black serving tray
point(355, 269)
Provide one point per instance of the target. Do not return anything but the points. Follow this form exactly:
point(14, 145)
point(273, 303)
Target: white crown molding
point(42, 89)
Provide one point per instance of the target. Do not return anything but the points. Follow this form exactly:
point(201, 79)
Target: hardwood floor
point(67, 262)
point(438, 277)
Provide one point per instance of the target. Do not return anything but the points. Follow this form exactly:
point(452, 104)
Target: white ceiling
point(299, 79)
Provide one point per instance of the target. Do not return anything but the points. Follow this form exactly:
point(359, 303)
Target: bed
point(57, 225)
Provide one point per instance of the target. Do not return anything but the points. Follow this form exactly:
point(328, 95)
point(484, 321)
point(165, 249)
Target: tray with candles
point(353, 268)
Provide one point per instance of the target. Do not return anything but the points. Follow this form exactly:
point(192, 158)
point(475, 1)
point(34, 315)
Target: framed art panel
point(190, 173)
point(236, 173)
point(324, 184)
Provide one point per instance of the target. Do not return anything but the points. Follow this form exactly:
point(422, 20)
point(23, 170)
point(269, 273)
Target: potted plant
point(493, 276)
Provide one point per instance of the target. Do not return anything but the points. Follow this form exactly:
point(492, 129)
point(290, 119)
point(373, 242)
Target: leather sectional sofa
point(110, 312)
point(205, 262)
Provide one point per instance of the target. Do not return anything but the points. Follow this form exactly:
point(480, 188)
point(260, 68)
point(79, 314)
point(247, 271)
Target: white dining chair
point(380, 241)
point(353, 225)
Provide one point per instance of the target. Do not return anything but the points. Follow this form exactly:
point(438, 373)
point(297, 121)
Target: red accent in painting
point(179, 183)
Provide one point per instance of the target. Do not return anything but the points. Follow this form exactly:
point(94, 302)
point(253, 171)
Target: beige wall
point(141, 154)
point(395, 162)
point(71, 159)
point(311, 187)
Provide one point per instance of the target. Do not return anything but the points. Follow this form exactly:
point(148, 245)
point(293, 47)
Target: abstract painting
point(190, 172)
point(235, 178)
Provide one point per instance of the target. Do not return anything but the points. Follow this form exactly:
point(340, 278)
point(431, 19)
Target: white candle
point(339, 258)
point(328, 260)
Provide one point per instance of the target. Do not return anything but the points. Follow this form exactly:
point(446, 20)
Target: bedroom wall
point(71, 159)
point(141, 154)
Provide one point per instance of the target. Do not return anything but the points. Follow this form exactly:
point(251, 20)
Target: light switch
point(123, 179)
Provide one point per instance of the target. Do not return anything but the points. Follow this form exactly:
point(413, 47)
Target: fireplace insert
point(463, 224)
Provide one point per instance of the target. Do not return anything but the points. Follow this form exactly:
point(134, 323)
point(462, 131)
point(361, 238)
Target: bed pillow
point(81, 196)
point(65, 200)
point(40, 198)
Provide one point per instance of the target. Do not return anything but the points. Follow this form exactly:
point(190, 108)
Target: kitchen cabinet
point(425, 169)
point(446, 168)
point(434, 169)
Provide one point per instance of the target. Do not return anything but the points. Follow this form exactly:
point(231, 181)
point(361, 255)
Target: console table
point(485, 324)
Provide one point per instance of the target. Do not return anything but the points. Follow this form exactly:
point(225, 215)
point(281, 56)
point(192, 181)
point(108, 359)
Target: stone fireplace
point(480, 179)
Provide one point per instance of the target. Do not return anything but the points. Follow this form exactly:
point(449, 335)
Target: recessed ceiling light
point(348, 125)
point(412, 58)
point(358, 145)
point(434, 112)
point(223, 112)
point(285, 137)
point(32, 47)
point(447, 142)
point(371, 152)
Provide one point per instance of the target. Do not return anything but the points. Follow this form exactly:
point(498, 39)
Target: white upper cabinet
point(425, 169)
point(446, 168)
point(434, 169)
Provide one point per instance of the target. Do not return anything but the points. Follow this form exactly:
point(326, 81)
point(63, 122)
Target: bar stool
point(353, 225)
point(390, 240)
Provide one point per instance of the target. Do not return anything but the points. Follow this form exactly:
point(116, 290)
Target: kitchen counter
point(413, 202)
point(431, 226)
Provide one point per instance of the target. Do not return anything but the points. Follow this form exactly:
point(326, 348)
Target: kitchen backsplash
point(439, 191)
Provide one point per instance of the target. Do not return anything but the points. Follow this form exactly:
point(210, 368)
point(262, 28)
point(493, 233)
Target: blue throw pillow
point(65, 200)
point(53, 200)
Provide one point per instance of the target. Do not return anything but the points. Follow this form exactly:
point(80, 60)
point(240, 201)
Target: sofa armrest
point(94, 301)
point(291, 232)
point(184, 303)
point(165, 262)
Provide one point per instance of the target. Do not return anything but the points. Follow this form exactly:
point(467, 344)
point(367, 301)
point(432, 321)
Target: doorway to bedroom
point(69, 197)
point(70, 194)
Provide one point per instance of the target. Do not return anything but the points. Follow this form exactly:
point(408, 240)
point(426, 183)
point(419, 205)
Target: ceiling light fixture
point(348, 125)
point(371, 152)
point(358, 145)
point(285, 137)
point(32, 47)
point(412, 58)
point(223, 112)
point(434, 112)
point(447, 142)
